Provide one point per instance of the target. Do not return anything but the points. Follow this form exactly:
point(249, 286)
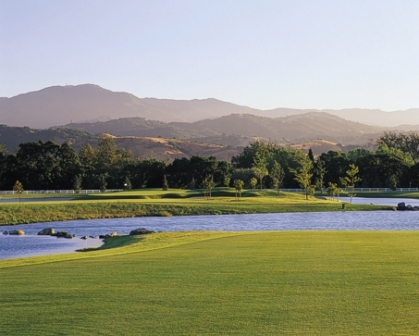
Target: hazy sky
point(263, 54)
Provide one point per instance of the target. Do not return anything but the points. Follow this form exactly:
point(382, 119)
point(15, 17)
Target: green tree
point(351, 179)
point(253, 183)
point(255, 149)
point(208, 185)
point(100, 181)
point(311, 155)
point(238, 185)
point(165, 183)
point(405, 142)
point(336, 163)
point(333, 190)
point(18, 189)
point(260, 169)
point(77, 183)
point(277, 175)
point(303, 174)
point(319, 172)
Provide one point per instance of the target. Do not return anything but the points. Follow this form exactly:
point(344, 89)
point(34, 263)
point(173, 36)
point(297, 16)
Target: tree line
point(47, 165)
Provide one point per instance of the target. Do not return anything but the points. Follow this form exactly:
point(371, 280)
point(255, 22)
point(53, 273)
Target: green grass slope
point(274, 283)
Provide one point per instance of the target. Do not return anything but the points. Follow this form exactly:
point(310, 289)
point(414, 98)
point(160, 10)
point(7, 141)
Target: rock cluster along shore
point(403, 207)
point(65, 234)
point(14, 232)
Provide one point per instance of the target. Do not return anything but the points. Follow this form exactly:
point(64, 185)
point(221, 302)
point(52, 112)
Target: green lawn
point(274, 283)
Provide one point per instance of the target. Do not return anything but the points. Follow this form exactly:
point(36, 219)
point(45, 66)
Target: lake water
point(31, 244)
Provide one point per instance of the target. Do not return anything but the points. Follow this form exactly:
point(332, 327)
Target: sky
point(323, 54)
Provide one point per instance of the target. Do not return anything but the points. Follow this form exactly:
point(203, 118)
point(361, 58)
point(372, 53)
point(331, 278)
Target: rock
point(60, 234)
point(110, 235)
point(409, 207)
point(5, 232)
point(17, 232)
point(140, 231)
point(93, 237)
point(84, 237)
point(63, 234)
point(102, 237)
point(46, 232)
point(401, 206)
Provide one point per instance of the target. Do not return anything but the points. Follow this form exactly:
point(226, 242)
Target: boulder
point(401, 206)
point(63, 234)
point(140, 231)
point(84, 237)
point(409, 207)
point(46, 232)
point(60, 234)
point(17, 232)
point(5, 232)
point(110, 235)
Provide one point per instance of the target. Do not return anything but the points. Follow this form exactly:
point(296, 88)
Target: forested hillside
point(47, 165)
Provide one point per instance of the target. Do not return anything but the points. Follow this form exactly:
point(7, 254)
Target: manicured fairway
point(272, 283)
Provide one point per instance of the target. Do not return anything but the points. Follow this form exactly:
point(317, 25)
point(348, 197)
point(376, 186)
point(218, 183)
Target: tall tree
point(18, 189)
point(260, 169)
point(208, 184)
point(351, 179)
point(277, 175)
point(336, 164)
point(238, 185)
point(311, 155)
point(303, 174)
point(319, 172)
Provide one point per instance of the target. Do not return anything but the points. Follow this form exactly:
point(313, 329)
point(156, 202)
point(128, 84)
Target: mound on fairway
point(273, 283)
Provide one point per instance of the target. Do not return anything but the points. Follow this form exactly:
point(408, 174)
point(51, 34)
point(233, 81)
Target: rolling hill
point(157, 147)
point(11, 137)
point(302, 127)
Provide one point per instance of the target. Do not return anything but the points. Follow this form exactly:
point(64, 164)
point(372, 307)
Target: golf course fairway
point(220, 283)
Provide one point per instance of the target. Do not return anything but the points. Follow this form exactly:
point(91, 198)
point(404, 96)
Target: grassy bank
point(172, 203)
point(274, 283)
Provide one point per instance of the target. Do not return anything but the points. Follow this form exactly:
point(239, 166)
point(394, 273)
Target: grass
point(274, 283)
point(171, 203)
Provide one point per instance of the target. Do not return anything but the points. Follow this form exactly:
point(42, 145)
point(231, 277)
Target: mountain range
point(169, 129)
point(59, 105)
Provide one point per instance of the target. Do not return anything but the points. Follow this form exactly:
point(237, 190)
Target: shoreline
point(43, 212)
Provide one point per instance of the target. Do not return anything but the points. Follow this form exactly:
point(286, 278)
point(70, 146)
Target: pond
point(31, 244)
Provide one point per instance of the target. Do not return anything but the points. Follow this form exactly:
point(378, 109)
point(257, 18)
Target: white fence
point(88, 191)
point(94, 191)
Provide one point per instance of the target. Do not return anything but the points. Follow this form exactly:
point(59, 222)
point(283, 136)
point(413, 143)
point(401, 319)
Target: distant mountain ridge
point(59, 105)
point(302, 127)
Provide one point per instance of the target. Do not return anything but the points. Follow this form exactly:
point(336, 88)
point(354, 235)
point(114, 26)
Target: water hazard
point(31, 244)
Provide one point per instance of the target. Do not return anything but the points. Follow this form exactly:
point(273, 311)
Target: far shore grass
point(220, 283)
point(155, 202)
